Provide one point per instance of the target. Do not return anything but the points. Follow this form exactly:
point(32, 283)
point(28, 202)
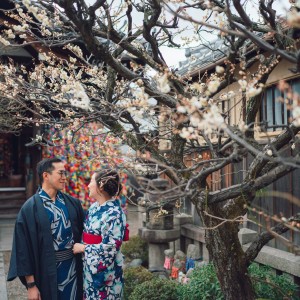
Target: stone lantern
point(153, 218)
point(159, 230)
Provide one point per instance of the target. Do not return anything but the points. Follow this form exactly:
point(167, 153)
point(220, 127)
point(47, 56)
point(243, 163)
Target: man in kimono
point(47, 226)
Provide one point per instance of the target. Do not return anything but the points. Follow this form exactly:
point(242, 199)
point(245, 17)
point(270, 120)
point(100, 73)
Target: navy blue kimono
point(33, 251)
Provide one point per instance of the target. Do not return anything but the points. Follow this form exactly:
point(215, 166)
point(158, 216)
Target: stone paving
point(6, 233)
point(3, 291)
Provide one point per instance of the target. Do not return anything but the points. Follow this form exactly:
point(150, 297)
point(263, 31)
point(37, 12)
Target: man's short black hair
point(46, 165)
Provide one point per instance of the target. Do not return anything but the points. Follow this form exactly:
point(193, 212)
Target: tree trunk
point(229, 260)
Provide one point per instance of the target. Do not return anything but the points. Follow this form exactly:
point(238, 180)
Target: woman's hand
point(78, 248)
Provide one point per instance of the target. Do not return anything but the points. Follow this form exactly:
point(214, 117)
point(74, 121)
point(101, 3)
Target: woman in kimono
point(104, 229)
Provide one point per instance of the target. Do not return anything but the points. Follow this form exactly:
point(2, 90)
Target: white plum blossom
point(152, 102)
point(33, 76)
point(224, 96)
point(26, 2)
point(64, 75)
point(46, 32)
point(38, 138)
point(19, 28)
point(213, 117)
point(207, 3)
point(181, 109)
point(203, 102)
point(79, 97)
point(142, 98)
point(293, 18)
point(60, 99)
point(293, 146)
point(220, 70)
point(184, 133)
point(208, 122)
point(195, 120)
point(243, 84)
point(80, 103)
point(75, 49)
point(69, 135)
point(252, 91)
point(33, 9)
point(163, 84)
point(196, 103)
point(242, 126)
point(10, 34)
point(213, 85)
point(269, 152)
point(73, 59)
point(4, 41)
point(231, 94)
point(198, 87)
point(65, 88)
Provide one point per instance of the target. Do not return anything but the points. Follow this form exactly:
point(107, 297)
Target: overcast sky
point(173, 55)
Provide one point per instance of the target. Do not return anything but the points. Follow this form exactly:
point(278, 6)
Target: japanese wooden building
point(17, 158)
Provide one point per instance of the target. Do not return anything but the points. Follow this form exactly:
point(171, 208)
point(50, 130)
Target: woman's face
point(93, 188)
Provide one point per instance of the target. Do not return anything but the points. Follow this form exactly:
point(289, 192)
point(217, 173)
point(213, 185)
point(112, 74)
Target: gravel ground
point(15, 289)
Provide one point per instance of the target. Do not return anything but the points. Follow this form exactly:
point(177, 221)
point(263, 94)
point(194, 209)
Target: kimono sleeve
point(99, 257)
point(22, 261)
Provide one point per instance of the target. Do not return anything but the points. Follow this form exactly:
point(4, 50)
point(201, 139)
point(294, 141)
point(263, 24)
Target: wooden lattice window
point(274, 112)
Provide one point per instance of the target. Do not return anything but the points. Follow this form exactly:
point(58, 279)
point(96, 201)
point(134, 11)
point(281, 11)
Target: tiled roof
point(205, 55)
point(11, 50)
point(202, 56)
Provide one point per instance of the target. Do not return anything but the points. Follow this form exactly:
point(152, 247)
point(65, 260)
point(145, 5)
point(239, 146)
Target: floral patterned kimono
point(103, 274)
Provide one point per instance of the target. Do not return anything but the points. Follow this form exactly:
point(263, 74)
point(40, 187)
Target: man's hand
point(34, 293)
point(78, 248)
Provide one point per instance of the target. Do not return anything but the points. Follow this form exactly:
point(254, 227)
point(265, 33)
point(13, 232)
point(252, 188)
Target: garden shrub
point(268, 285)
point(133, 277)
point(156, 289)
point(203, 285)
point(135, 248)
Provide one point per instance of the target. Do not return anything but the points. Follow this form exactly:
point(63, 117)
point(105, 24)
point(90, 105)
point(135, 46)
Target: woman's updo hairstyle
point(109, 180)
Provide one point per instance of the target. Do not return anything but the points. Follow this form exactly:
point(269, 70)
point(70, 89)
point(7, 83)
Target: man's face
point(56, 179)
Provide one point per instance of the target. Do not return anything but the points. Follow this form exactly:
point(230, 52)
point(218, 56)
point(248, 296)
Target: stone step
point(9, 213)
point(4, 196)
point(11, 200)
point(10, 206)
